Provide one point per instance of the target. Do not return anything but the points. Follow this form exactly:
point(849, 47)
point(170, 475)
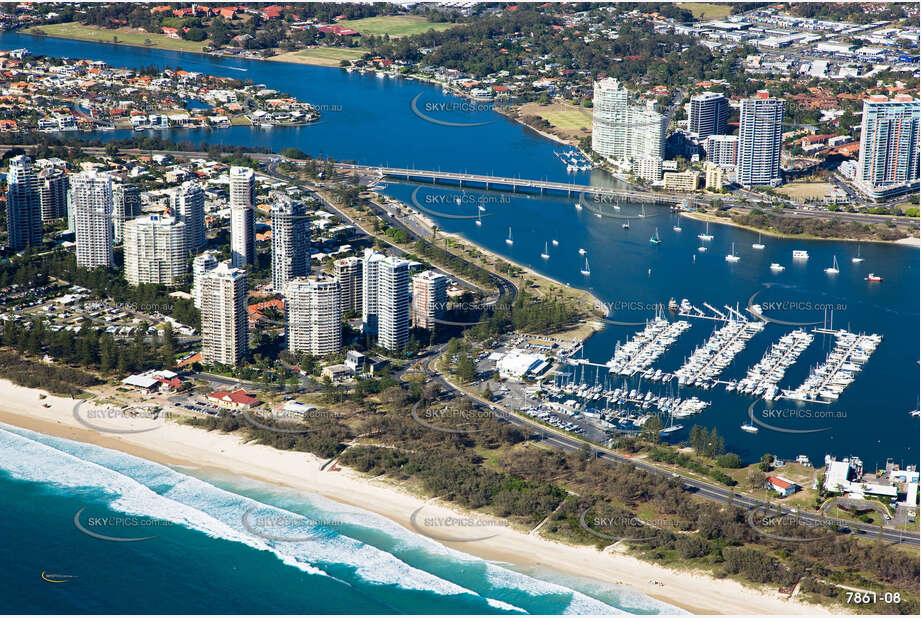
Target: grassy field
point(706, 10)
point(321, 56)
point(126, 36)
point(569, 120)
point(394, 25)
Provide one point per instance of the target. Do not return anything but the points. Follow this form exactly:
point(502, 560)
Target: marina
point(827, 381)
point(762, 379)
point(710, 359)
point(638, 354)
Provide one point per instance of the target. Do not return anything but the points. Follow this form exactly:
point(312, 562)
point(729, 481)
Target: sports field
point(394, 25)
point(707, 10)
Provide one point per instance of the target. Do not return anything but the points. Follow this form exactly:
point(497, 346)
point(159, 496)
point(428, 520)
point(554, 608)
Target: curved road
point(716, 493)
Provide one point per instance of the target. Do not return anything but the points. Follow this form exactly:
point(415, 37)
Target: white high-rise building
point(187, 203)
point(155, 250)
point(91, 201)
point(348, 273)
point(290, 242)
point(202, 263)
point(224, 328)
point(23, 205)
point(242, 223)
point(429, 298)
point(623, 130)
point(760, 131)
point(126, 205)
point(723, 150)
point(393, 303)
point(888, 162)
point(369, 285)
point(52, 186)
point(313, 315)
point(708, 113)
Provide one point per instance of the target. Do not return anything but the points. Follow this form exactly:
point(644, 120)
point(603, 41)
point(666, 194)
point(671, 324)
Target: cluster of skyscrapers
point(627, 132)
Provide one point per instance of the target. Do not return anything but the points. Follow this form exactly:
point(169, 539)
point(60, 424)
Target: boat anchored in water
point(555, 242)
point(546, 254)
point(625, 225)
point(479, 220)
point(799, 254)
point(509, 240)
point(833, 269)
point(872, 277)
point(578, 205)
point(777, 267)
point(655, 240)
point(706, 236)
point(857, 259)
point(758, 245)
point(581, 251)
point(586, 271)
point(748, 427)
point(732, 257)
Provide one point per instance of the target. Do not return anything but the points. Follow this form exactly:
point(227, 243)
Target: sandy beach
point(174, 444)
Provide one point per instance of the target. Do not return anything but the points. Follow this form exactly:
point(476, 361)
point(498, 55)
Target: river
point(371, 120)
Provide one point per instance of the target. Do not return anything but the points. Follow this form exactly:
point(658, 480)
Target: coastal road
point(566, 442)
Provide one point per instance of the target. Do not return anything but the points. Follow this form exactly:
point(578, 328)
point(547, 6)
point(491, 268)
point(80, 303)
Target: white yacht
point(586, 271)
point(509, 240)
point(706, 235)
point(833, 269)
point(777, 267)
point(799, 254)
point(546, 254)
point(758, 245)
point(857, 259)
point(732, 257)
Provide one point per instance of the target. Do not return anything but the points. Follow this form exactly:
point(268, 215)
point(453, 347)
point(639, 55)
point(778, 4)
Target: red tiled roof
point(778, 482)
point(239, 397)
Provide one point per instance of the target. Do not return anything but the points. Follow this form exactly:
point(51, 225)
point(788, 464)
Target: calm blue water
point(370, 121)
point(204, 559)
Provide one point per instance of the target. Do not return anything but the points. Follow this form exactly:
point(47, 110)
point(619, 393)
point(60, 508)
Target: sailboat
point(732, 257)
point(479, 220)
point(655, 239)
point(546, 253)
point(833, 269)
point(625, 225)
point(677, 226)
point(578, 205)
point(857, 259)
point(586, 271)
point(758, 245)
point(509, 240)
point(642, 211)
point(706, 235)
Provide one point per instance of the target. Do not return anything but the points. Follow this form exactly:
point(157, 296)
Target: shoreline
point(909, 241)
point(181, 445)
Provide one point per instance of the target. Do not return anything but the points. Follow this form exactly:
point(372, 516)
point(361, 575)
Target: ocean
point(215, 543)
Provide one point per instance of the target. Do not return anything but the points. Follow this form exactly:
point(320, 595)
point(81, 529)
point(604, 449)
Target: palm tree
point(434, 231)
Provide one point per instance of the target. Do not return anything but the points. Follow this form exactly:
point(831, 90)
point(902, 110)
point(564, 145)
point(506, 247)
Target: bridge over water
point(515, 185)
